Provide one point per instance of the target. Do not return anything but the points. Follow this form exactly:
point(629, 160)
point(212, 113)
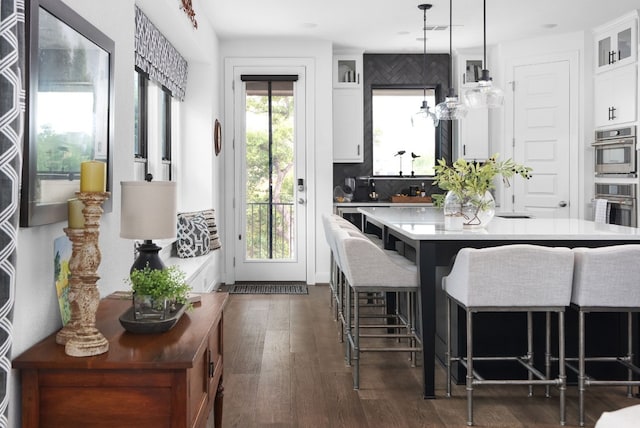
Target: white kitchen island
point(423, 229)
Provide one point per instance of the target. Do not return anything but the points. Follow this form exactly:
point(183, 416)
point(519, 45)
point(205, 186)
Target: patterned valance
point(156, 56)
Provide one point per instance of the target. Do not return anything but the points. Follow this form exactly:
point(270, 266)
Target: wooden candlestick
point(87, 340)
point(75, 284)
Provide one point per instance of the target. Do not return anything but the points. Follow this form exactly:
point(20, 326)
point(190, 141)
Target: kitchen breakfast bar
point(423, 230)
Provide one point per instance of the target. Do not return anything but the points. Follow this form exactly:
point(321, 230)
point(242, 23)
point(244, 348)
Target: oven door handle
point(622, 142)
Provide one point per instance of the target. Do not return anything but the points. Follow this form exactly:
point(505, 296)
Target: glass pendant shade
point(451, 108)
point(426, 114)
point(484, 94)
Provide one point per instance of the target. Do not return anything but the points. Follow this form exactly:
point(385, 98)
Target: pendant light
point(484, 94)
point(451, 108)
point(425, 113)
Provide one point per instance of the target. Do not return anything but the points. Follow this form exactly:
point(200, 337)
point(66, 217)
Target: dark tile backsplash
point(392, 69)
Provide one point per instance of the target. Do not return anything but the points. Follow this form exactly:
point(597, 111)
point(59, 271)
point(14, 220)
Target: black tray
point(151, 326)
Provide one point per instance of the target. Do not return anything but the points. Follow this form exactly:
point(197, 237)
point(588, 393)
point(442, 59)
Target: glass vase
point(148, 308)
point(475, 210)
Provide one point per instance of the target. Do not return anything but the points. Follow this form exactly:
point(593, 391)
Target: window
point(164, 118)
point(140, 140)
point(403, 142)
point(153, 128)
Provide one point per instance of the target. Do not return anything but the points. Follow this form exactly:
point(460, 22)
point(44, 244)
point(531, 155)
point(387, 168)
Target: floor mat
point(269, 288)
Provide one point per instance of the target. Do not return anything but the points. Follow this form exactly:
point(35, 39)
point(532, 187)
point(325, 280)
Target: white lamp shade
point(148, 209)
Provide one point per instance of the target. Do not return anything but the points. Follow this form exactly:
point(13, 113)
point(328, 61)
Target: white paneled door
point(542, 138)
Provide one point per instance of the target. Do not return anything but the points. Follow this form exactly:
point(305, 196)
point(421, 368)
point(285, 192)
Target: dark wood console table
point(172, 379)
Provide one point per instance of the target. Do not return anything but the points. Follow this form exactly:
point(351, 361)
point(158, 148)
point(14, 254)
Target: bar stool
point(368, 269)
point(509, 278)
point(605, 280)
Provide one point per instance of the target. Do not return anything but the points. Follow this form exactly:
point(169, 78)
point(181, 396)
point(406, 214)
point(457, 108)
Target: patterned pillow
point(193, 236)
point(209, 216)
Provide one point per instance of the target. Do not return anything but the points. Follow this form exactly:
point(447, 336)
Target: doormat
point(269, 288)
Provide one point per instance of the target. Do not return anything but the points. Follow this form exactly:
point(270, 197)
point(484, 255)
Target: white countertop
point(427, 223)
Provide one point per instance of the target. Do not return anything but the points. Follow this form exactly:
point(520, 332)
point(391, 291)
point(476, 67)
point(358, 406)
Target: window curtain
point(12, 103)
point(158, 58)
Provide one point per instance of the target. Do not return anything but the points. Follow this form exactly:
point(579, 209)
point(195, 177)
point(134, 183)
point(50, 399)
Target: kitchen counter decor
point(468, 201)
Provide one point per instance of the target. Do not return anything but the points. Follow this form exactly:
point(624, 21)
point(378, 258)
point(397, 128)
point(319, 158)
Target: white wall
point(322, 169)
point(581, 42)
point(36, 313)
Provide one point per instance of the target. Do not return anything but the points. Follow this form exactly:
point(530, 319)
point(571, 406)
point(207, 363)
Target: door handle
point(301, 201)
point(562, 204)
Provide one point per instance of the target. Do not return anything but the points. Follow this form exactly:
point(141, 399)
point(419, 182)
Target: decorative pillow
point(193, 236)
point(209, 216)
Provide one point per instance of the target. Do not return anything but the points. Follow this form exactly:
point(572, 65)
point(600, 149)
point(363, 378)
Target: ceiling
point(394, 26)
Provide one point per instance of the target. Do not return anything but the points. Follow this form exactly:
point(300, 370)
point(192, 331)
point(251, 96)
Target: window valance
point(157, 57)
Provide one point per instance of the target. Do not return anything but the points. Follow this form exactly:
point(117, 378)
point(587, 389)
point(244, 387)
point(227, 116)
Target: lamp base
point(148, 256)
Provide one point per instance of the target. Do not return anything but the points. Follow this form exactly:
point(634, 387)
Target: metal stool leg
point(562, 369)
point(530, 349)
point(547, 354)
point(356, 339)
point(347, 322)
point(469, 368)
point(581, 368)
point(629, 353)
point(448, 352)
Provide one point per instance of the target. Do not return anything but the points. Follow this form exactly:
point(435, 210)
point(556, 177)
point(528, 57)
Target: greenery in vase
point(469, 179)
point(168, 283)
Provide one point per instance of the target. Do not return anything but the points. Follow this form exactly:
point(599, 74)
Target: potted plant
point(468, 186)
point(157, 292)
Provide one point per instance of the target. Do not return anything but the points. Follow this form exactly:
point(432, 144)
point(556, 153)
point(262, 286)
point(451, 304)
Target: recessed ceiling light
point(309, 25)
point(549, 26)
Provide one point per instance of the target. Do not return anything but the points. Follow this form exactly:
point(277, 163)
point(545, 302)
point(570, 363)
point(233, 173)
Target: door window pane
point(269, 175)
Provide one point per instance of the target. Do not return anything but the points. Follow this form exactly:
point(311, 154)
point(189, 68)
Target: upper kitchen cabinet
point(471, 134)
point(348, 111)
point(615, 96)
point(348, 126)
point(616, 43)
point(347, 71)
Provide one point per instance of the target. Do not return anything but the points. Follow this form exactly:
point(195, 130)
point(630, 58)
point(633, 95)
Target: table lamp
point(148, 211)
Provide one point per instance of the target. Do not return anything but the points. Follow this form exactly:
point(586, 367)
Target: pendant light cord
point(450, 46)
point(424, 54)
point(484, 25)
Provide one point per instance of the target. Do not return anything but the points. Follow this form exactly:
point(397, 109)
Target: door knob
point(562, 204)
point(301, 201)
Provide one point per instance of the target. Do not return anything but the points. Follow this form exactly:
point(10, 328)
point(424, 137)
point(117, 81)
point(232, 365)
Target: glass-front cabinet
point(617, 43)
point(347, 71)
point(348, 115)
point(471, 134)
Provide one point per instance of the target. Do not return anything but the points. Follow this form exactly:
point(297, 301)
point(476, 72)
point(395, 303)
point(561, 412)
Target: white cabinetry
point(348, 116)
point(615, 94)
point(616, 43)
point(471, 134)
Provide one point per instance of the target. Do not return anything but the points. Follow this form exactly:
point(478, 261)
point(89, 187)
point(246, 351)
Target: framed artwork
point(70, 117)
point(217, 137)
point(61, 273)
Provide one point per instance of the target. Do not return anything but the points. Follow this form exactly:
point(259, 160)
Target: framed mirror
point(70, 118)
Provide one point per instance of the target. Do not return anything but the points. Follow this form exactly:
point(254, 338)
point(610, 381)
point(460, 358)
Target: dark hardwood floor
point(284, 367)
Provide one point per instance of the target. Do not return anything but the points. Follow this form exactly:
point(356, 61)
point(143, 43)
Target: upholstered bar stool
point(510, 278)
point(605, 280)
point(368, 269)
